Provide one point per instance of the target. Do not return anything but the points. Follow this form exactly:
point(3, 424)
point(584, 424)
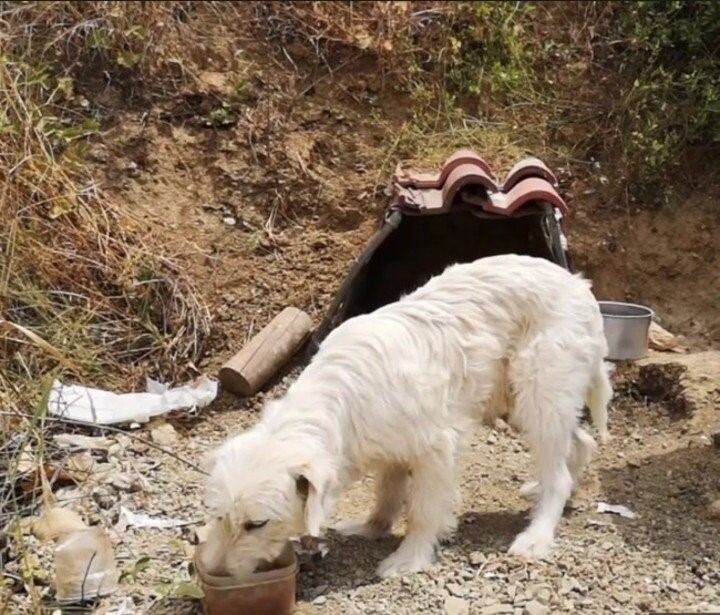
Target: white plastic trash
point(81, 403)
point(85, 566)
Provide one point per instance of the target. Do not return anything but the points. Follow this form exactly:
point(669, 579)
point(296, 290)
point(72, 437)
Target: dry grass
point(381, 28)
point(81, 295)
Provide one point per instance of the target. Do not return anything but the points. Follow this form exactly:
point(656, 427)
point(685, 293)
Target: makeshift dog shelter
point(457, 215)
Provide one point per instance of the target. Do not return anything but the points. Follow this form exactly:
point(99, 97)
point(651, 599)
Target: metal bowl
point(626, 329)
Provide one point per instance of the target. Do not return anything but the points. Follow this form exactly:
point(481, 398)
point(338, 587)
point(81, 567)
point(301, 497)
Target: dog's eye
point(254, 525)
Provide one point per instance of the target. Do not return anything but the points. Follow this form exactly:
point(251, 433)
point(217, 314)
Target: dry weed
point(81, 294)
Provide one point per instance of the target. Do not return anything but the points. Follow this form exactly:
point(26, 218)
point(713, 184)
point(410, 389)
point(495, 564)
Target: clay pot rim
point(267, 577)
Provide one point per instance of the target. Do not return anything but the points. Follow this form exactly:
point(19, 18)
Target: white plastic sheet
point(128, 518)
point(81, 403)
point(616, 509)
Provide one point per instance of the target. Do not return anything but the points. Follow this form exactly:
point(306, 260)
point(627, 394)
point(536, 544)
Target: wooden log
point(262, 357)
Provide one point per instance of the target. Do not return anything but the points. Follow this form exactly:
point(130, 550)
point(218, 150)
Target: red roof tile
point(465, 177)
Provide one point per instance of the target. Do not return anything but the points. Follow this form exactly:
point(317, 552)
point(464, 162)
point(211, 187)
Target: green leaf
point(60, 207)
point(135, 569)
point(65, 87)
point(181, 589)
point(187, 589)
point(98, 40)
point(128, 59)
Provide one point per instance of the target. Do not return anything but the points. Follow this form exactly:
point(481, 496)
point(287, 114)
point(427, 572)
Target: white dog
point(392, 393)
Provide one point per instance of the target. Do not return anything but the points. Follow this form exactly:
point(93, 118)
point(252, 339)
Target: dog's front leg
point(430, 502)
point(390, 492)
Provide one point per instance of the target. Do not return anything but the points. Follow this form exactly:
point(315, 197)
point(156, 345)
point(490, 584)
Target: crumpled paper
point(616, 509)
point(81, 403)
point(127, 518)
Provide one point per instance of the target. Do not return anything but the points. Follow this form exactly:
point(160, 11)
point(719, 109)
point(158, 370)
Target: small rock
point(543, 595)
point(103, 498)
point(518, 576)
point(621, 597)
point(661, 339)
point(456, 606)
point(122, 482)
point(540, 593)
point(132, 168)
point(115, 450)
point(567, 585)
point(492, 439)
point(456, 590)
point(230, 220)
point(497, 609)
point(320, 600)
point(536, 608)
point(714, 510)
point(80, 465)
point(164, 435)
point(477, 558)
point(138, 446)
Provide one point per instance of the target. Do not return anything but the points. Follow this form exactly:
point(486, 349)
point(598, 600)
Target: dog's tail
point(598, 398)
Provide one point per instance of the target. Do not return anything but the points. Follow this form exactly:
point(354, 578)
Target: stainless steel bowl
point(626, 329)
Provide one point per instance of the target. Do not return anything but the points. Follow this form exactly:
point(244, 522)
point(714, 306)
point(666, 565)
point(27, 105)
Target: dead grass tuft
point(81, 294)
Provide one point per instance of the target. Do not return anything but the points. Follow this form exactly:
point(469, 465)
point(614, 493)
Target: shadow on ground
point(669, 493)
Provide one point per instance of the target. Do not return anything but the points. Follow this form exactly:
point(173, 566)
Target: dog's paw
point(447, 533)
point(364, 528)
point(530, 490)
point(409, 558)
point(532, 544)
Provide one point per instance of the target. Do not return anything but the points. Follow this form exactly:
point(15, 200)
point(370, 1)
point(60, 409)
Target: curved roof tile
point(529, 181)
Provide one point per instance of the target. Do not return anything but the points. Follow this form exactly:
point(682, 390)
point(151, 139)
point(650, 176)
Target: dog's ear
point(314, 486)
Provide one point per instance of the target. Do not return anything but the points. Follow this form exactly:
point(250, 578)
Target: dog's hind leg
point(548, 399)
point(555, 485)
point(390, 490)
point(582, 449)
point(430, 503)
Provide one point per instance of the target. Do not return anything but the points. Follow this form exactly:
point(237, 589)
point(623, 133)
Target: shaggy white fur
point(392, 393)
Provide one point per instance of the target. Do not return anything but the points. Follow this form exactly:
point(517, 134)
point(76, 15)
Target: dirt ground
point(269, 212)
point(660, 463)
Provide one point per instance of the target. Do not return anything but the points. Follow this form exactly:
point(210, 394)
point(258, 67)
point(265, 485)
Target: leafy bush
point(670, 60)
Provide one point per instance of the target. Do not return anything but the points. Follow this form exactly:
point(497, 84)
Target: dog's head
point(260, 493)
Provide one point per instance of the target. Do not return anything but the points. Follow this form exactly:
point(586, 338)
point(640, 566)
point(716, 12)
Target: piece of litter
point(310, 546)
point(615, 509)
point(128, 518)
point(106, 408)
point(85, 566)
point(57, 522)
point(596, 523)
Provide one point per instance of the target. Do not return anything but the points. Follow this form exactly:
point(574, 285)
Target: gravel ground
point(663, 468)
